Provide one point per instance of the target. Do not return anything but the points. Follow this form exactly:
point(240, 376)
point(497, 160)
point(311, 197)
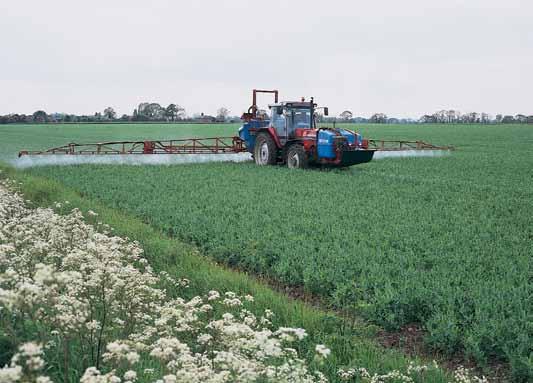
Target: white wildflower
point(213, 295)
point(204, 338)
point(346, 374)
point(169, 378)
point(132, 357)
point(10, 374)
point(92, 325)
point(130, 375)
point(249, 298)
point(232, 302)
point(322, 350)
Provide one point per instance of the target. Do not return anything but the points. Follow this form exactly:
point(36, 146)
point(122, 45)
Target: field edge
point(353, 344)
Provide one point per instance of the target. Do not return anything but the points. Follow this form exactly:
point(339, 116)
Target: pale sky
point(404, 58)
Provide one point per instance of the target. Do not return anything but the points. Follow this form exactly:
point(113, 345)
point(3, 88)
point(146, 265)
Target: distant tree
point(529, 119)
point(346, 115)
point(15, 117)
point(55, 117)
point(472, 117)
point(150, 111)
point(40, 116)
point(23, 118)
point(441, 116)
point(124, 117)
point(451, 116)
point(427, 119)
point(222, 114)
point(174, 112)
point(520, 118)
point(110, 113)
point(157, 111)
point(378, 118)
point(499, 118)
point(485, 118)
point(141, 110)
point(508, 119)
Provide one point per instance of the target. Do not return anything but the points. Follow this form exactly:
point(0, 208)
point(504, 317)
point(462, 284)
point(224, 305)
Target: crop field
point(443, 242)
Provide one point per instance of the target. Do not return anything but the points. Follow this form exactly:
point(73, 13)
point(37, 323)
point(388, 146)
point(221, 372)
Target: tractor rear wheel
point(265, 151)
point(297, 157)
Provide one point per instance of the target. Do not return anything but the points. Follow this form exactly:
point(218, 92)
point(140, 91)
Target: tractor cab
point(291, 120)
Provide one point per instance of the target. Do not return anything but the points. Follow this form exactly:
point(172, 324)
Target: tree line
point(440, 117)
point(146, 111)
point(152, 111)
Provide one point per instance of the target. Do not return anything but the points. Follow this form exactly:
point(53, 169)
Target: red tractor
point(290, 136)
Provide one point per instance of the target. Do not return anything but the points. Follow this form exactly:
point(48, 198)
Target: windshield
point(301, 118)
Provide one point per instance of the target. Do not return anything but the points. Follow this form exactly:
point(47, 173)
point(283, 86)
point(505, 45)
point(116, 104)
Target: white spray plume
point(127, 159)
point(176, 159)
point(410, 153)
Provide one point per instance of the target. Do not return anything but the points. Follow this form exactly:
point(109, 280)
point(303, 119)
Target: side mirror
point(326, 111)
point(279, 110)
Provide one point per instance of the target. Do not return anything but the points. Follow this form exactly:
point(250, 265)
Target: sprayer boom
point(214, 145)
point(396, 145)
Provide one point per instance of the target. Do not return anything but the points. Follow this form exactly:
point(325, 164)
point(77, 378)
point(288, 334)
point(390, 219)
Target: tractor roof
point(292, 104)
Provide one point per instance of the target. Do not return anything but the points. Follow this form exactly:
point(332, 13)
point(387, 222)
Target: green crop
point(445, 242)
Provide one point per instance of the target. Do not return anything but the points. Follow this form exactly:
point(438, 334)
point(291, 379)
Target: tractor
point(290, 136)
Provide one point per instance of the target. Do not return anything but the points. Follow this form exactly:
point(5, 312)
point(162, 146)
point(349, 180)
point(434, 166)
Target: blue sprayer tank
point(326, 141)
point(247, 136)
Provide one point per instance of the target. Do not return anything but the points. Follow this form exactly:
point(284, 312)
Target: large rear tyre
point(265, 151)
point(297, 157)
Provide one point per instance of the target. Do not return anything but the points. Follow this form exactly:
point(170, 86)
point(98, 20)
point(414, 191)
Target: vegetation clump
point(89, 304)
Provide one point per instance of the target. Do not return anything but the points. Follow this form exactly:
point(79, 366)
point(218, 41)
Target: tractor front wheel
point(265, 151)
point(297, 157)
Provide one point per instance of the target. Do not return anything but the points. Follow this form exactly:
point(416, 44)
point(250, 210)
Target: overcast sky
point(404, 58)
